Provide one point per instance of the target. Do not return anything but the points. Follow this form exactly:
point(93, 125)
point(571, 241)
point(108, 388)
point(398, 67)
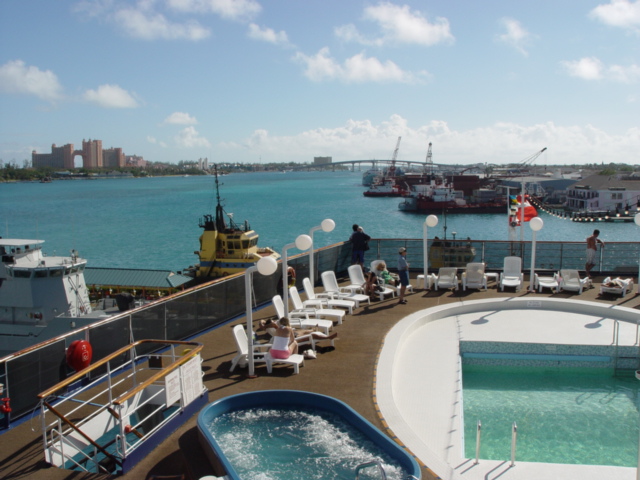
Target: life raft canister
point(79, 355)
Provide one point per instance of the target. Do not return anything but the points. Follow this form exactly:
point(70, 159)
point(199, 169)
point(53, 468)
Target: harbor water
point(153, 222)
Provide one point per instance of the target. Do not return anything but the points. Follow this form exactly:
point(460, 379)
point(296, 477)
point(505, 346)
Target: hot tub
point(324, 413)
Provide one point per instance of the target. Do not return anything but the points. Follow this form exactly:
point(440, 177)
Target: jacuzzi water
point(570, 416)
point(295, 443)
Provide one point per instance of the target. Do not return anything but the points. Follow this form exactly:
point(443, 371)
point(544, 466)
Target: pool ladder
point(514, 439)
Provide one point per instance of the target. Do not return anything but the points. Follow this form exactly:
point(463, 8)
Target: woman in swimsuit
point(284, 341)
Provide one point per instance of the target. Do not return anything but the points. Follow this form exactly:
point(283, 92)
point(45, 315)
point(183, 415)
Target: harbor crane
point(392, 168)
point(429, 161)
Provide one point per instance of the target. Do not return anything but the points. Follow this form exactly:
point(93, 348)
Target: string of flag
point(626, 216)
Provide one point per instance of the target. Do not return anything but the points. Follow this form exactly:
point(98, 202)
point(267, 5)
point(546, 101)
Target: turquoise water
point(269, 444)
point(563, 415)
point(153, 222)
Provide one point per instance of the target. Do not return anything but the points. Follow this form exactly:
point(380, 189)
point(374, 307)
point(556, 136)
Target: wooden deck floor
point(345, 373)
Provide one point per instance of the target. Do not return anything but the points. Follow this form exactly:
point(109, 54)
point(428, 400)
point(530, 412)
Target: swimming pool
point(419, 374)
point(565, 415)
point(280, 434)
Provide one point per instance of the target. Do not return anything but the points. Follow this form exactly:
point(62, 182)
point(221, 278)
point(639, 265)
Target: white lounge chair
point(447, 278)
point(242, 344)
point(331, 287)
point(356, 276)
point(474, 276)
point(570, 281)
point(617, 286)
point(301, 319)
point(322, 300)
point(547, 282)
point(299, 309)
point(242, 358)
point(511, 275)
point(374, 268)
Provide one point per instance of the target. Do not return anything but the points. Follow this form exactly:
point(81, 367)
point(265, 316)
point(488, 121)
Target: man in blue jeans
point(403, 273)
point(359, 243)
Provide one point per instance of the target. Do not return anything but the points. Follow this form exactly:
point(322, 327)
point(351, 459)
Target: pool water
point(570, 416)
point(283, 443)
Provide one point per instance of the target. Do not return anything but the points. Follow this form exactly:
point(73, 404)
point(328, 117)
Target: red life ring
point(79, 355)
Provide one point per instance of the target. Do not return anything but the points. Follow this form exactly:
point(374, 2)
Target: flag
point(529, 210)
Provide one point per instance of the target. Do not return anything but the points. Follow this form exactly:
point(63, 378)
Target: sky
point(249, 81)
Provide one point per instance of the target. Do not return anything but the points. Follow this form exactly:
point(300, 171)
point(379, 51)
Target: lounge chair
point(617, 286)
point(299, 309)
point(301, 320)
point(511, 275)
point(374, 268)
point(474, 276)
point(447, 278)
point(357, 277)
point(547, 282)
point(261, 353)
point(322, 300)
point(242, 344)
point(570, 281)
point(331, 288)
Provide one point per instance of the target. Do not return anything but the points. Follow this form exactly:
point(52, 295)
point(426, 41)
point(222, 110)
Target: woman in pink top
point(284, 341)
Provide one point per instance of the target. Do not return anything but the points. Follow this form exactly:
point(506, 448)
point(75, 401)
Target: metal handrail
point(478, 435)
point(372, 463)
point(514, 439)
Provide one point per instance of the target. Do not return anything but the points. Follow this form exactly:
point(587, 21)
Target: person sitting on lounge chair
point(284, 341)
point(385, 275)
point(266, 324)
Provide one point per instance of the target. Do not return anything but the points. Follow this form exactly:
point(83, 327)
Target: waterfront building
point(113, 157)
point(604, 193)
point(60, 157)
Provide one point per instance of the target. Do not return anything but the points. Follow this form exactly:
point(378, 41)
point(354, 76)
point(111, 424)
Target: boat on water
point(370, 175)
point(41, 296)
point(450, 253)
point(226, 247)
point(437, 197)
point(385, 187)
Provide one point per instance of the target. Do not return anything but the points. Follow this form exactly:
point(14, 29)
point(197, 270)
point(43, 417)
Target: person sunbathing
point(264, 325)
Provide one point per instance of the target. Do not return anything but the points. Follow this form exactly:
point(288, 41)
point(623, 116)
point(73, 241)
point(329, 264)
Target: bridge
point(371, 163)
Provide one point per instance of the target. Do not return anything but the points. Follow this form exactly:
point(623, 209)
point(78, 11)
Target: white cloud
point(591, 68)
point(16, 77)
point(498, 143)
point(241, 10)
point(516, 36)
point(399, 25)
point(357, 69)
point(110, 96)
point(180, 118)
point(155, 141)
point(619, 13)
point(268, 35)
point(151, 26)
point(190, 138)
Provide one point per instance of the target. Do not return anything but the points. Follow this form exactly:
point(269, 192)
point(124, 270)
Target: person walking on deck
point(592, 250)
point(403, 273)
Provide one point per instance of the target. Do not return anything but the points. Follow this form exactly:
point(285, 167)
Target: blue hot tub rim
point(302, 399)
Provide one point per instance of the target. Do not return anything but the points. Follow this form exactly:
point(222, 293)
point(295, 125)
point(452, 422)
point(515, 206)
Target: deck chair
point(242, 357)
point(322, 300)
point(617, 286)
point(298, 307)
point(301, 320)
point(356, 275)
point(474, 277)
point(570, 281)
point(447, 278)
point(331, 287)
point(374, 268)
point(511, 275)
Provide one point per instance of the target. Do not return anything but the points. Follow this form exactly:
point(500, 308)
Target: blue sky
point(241, 80)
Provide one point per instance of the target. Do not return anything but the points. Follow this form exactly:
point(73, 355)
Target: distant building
point(91, 154)
point(602, 193)
point(135, 161)
point(60, 157)
point(203, 163)
point(113, 157)
point(322, 160)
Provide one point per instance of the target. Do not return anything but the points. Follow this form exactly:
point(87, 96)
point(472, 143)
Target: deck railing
point(25, 374)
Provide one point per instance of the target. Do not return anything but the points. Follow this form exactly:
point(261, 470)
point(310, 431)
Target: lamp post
point(266, 266)
point(636, 219)
point(327, 225)
point(430, 221)
point(536, 225)
point(303, 242)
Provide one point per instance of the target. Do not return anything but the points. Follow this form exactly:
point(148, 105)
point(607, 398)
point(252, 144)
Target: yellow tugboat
point(226, 249)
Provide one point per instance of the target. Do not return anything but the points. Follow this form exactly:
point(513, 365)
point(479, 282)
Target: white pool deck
point(418, 388)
